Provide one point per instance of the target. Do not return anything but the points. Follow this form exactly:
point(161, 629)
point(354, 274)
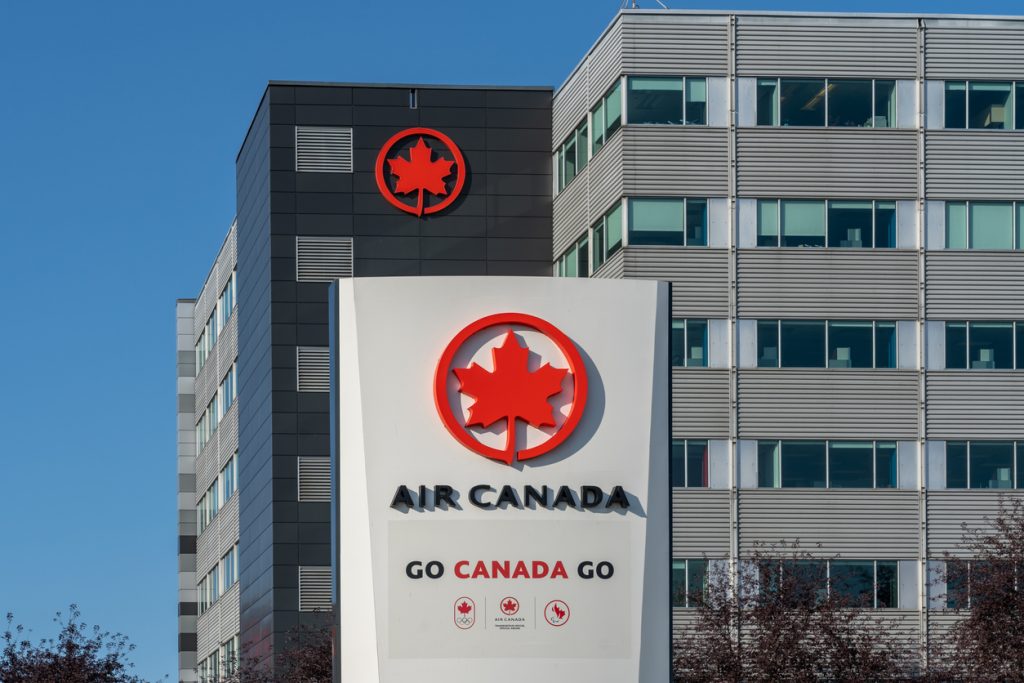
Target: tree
point(79, 654)
point(307, 657)
point(987, 642)
point(785, 618)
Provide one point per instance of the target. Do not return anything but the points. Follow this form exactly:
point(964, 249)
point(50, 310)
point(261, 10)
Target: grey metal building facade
point(836, 200)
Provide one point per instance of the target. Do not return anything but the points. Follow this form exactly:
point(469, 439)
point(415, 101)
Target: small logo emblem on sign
point(424, 164)
point(465, 613)
point(509, 606)
point(531, 398)
point(556, 613)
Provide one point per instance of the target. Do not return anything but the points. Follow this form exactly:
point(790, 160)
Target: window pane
point(613, 109)
point(888, 584)
point(956, 104)
point(696, 101)
point(850, 344)
point(1020, 464)
point(1019, 111)
point(597, 117)
point(767, 110)
point(1020, 205)
point(768, 465)
point(849, 224)
point(1020, 345)
point(802, 102)
point(767, 223)
point(678, 343)
point(956, 225)
point(655, 100)
point(696, 222)
point(697, 580)
point(803, 464)
point(885, 345)
point(850, 464)
point(886, 474)
point(849, 103)
point(885, 225)
point(854, 582)
point(991, 346)
point(614, 224)
point(956, 345)
point(656, 221)
point(957, 595)
point(767, 344)
point(803, 223)
point(803, 343)
point(991, 225)
point(679, 583)
point(885, 104)
point(696, 343)
point(571, 261)
point(599, 245)
point(956, 464)
point(583, 149)
point(991, 105)
point(583, 259)
point(677, 465)
point(697, 464)
point(569, 152)
point(991, 464)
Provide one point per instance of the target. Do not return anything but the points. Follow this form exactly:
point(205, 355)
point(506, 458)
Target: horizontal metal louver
point(314, 480)
point(322, 259)
point(313, 368)
point(314, 589)
point(323, 150)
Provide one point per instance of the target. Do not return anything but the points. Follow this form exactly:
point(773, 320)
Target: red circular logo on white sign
point(510, 386)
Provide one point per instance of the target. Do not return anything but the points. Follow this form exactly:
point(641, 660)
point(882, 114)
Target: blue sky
point(119, 126)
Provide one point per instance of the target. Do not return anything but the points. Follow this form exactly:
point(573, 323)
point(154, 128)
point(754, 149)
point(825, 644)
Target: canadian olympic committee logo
point(464, 613)
point(424, 164)
point(530, 399)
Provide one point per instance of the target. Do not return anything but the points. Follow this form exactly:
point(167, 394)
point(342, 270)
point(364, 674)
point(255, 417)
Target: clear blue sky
point(119, 125)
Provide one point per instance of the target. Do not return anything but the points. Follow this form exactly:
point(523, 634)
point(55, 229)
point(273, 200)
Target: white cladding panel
point(388, 433)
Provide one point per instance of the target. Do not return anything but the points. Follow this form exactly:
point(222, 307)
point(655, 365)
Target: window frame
point(685, 445)
point(600, 249)
point(686, 342)
point(1012, 115)
point(827, 322)
point(777, 102)
point(778, 474)
point(683, 95)
point(684, 229)
point(779, 227)
point(580, 246)
point(1016, 224)
point(1016, 330)
point(1016, 464)
point(581, 154)
point(687, 592)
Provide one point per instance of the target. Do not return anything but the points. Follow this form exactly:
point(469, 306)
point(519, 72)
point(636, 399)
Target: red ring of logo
point(564, 344)
point(460, 171)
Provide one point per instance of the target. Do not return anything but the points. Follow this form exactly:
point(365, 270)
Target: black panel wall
point(500, 225)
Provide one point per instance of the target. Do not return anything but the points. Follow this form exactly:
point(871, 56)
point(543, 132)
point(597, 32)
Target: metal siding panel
point(958, 49)
point(207, 632)
point(700, 403)
point(605, 182)
point(979, 404)
point(569, 214)
point(976, 164)
point(974, 284)
point(604, 65)
point(805, 46)
point(700, 277)
point(866, 404)
point(949, 510)
point(675, 45)
point(700, 523)
point(569, 107)
point(855, 524)
point(612, 268)
point(675, 160)
point(827, 283)
point(826, 162)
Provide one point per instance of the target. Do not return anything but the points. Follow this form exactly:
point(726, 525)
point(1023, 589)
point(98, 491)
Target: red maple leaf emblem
point(509, 606)
point(559, 612)
point(464, 607)
point(511, 391)
point(420, 173)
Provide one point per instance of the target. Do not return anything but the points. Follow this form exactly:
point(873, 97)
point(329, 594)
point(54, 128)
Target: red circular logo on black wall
point(424, 166)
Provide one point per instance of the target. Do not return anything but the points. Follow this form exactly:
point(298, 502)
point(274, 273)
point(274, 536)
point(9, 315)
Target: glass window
point(885, 344)
point(991, 345)
point(697, 464)
point(1020, 464)
point(956, 104)
point(569, 160)
point(886, 462)
point(849, 224)
point(767, 102)
point(696, 101)
point(885, 104)
point(854, 581)
point(613, 109)
point(689, 581)
point(956, 464)
point(655, 100)
point(769, 475)
point(767, 223)
point(767, 343)
point(991, 464)
point(677, 465)
point(1020, 205)
point(887, 580)
point(679, 583)
point(803, 464)
point(696, 222)
point(849, 103)
point(678, 343)
point(582, 146)
point(803, 343)
point(656, 221)
point(1019, 328)
point(600, 245)
point(575, 262)
point(957, 584)
point(696, 343)
point(583, 258)
point(990, 105)
point(597, 116)
point(802, 102)
point(803, 223)
point(850, 344)
point(851, 464)
point(613, 223)
point(885, 225)
point(956, 225)
point(991, 225)
point(1018, 111)
point(956, 345)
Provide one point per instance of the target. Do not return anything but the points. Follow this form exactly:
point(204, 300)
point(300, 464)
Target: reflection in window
point(847, 224)
point(844, 343)
point(802, 102)
point(982, 104)
point(984, 225)
point(689, 465)
point(667, 100)
point(607, 115)
point(668, 221)
point(983, 464)
point(572, 155)
point(607, 235)
point(985, 345)
point(689, 582)
point(689, 347)
point(575, 261)
point(832, 464)
point(860, 103)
